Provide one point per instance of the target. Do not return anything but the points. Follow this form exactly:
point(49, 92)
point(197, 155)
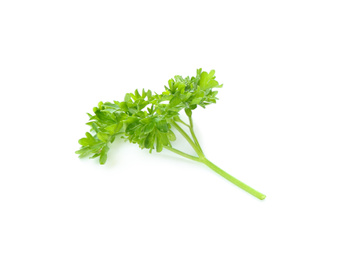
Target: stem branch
point(202, 159)
point(184, 134)
point(180, 121)
point(182, 154)
point(193, 135)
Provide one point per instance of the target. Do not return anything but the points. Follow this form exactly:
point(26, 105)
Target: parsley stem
point(220, 171)
point(193, 134)
point(183, 154)
point(180, 121)
point(235, 181)
point(184, 134)
point(195, 145)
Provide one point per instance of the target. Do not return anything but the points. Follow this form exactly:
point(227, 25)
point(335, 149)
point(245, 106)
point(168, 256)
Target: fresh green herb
point(146, 118)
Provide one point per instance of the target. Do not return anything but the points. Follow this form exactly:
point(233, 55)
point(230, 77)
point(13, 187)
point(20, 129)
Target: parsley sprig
point(147, 119)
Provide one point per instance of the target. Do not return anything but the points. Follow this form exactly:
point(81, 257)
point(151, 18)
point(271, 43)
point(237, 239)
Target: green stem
point(202, 159)
point(235, 181)
point(183, 154)
point(218, 170)
point(180, 121)
point(193, 134)
point(184, 134)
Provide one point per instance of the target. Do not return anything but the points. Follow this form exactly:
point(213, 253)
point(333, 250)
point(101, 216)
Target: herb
point(147, 118)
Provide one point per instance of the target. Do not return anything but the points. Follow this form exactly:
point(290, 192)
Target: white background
point(275, 127)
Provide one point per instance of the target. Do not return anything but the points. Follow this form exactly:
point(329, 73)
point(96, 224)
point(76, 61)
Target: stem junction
point(202, 159)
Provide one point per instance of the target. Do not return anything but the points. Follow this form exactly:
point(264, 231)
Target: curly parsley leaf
point(146, 118)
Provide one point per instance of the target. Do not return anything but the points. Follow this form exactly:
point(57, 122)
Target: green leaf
point(207, 81)
point(103, 136)
point(143, 94)
point(176, 100)
point(84, 152)
point(90, 137)
point(105, 118)
point(103, 158)
point(83, 142)
point(132, 110)
point(110, 105)
point(149, 127)
point(180, 86)
point(149, 95)
point(162, 126)
point(196, 101)
point(95, 127)
point(188, 112)
point(111, 129)
point(103, 155)
point(186, 96)
point(89, 140)
point(143, 117)
point(123, 106)
point(211, 74)
point(136, 93)
point(95, 156)
point(171, 84)
point(178, 78)
point(127, 98)
point(163, 139)
point(171, 136)
point(203, 79)
point(159, 145)
point(149, 141)
point(132, 127)
point(199, 94)
point(213, 84)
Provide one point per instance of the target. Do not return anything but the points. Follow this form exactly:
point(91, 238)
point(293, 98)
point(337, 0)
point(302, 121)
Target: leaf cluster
point(145, 117)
